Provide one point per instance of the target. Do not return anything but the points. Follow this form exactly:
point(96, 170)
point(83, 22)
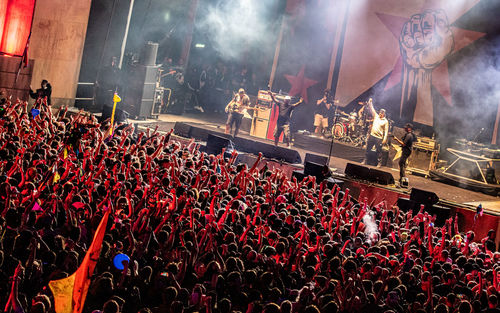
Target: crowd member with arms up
point(43, 93)
point(205, 234)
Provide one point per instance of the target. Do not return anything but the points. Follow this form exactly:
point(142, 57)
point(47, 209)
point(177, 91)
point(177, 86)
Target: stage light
point(199, 45)
point(167, 16)
point(15, 25)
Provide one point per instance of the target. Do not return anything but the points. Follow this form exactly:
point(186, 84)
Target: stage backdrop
point(431, 62)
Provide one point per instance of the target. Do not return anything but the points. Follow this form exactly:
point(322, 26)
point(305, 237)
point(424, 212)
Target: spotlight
point(199, 45)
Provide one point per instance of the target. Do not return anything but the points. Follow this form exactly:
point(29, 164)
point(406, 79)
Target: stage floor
point(215, 123)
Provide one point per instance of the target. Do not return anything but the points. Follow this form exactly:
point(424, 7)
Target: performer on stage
point(322, 113)
point(283, 123)
point(364, 118)
point(406, 143)
point(235, 109)
point(378, 132)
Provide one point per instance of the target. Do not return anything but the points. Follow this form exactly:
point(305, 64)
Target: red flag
point(70, 292)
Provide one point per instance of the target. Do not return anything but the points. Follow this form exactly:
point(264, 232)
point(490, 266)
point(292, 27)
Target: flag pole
point(276, 54)
point(333, 77)
point(125, 36)
point(186, 49)
point(495, 128)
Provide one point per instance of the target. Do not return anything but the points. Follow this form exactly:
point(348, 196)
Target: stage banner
point(15, 25)
point(430, 62)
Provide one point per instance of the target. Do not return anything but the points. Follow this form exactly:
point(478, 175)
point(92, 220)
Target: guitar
point(399, 141)
point(234, 106)
point(398, 147)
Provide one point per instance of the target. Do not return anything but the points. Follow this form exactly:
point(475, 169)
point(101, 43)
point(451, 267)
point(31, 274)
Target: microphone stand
point(477, 135)
point(333, 136)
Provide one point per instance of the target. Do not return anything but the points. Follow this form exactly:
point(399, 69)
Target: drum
point(339, 130)
point(353, 117)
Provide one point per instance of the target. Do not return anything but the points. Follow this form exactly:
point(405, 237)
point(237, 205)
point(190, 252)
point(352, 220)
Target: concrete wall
point(56, 45)
point(9, 69)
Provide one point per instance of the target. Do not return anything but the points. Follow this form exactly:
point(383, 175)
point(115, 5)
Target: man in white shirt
point(378, 132)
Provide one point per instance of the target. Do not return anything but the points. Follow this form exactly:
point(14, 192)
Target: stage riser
point(267, 149)
point(322, 146)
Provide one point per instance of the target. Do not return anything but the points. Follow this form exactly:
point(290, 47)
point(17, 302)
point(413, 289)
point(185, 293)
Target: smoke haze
point(236, 26)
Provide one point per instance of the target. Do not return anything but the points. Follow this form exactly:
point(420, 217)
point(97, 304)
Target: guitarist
point(406, 143)
point(235, 109)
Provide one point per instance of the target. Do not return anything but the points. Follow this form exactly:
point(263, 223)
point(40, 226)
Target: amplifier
point(264, 99)
point(425, 143)
point(421, 161)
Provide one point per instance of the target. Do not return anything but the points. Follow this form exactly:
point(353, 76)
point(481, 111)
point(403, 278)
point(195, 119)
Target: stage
point(453, 200)
point(341, 155)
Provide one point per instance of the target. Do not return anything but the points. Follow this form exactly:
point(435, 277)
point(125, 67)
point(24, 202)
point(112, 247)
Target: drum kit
point(350, 128)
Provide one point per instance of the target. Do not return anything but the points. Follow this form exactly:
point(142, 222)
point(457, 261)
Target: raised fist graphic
point(426, 40)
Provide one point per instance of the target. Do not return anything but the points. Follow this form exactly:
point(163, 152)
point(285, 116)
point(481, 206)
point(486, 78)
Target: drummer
point(322, 113)
point(364, 117)
point(352, 123)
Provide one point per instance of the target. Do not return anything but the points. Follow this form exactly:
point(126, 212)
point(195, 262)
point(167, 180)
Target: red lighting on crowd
point(15, 25)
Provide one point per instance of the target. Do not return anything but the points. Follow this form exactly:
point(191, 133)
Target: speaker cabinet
point(369, 174)
point(259, 127)
point(357, 171)
point(148, 53)
point(215, 144)
point(317, 170)
point(140, 90)
point(422, 160)
point(381, 177)
point(299, 175)
point(319, 159)
point(120, 115)
point(182, 129)
point(406, 205)
point(424, 197)
point(442, 214)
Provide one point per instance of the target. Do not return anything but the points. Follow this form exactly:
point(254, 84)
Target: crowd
point(209, 86)
point(205, 234)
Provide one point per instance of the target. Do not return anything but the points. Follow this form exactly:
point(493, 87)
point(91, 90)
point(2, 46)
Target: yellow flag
point(70, 292)
point(56, 177)
point(116, 98)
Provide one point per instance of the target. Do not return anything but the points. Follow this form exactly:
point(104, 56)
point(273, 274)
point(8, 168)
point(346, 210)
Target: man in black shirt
point(283, 123)
point(42, 93)
point(407, 144)
point(321, 114)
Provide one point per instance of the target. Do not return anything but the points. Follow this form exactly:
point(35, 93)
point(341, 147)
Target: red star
point(440, 77)
point(300, 84)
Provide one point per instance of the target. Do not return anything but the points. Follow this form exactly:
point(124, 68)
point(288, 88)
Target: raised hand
point(426, 40)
